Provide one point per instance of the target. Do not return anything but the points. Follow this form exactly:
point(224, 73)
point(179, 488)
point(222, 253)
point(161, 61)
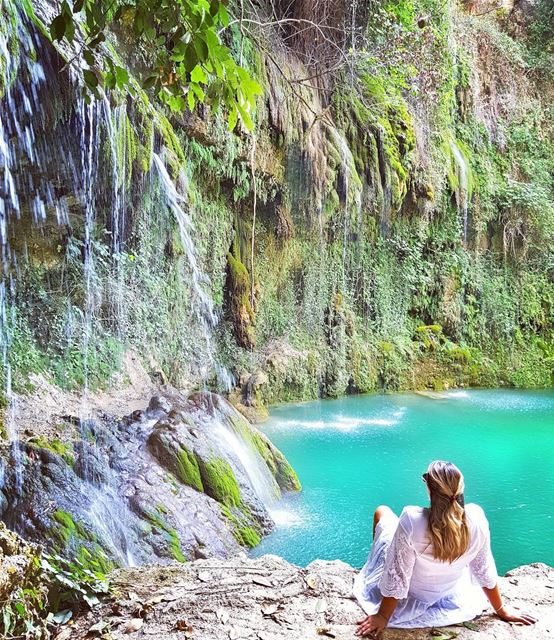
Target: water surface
point(357, 452)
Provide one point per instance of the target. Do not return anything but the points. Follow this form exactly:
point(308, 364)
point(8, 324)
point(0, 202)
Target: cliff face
point(388, 224)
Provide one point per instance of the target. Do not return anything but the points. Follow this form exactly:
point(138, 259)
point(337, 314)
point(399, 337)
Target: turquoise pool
point(354, 453)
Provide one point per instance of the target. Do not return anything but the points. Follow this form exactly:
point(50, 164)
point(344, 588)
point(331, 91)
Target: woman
point(425, 568)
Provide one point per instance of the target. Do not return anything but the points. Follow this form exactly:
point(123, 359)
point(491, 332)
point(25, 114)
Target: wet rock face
point(270, 599)
point(174, 482)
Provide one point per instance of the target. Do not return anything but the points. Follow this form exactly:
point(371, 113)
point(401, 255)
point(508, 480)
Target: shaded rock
point(159, 403)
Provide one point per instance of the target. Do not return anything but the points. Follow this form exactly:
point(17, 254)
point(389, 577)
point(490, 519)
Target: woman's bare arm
point(505, 614)
point(377, 622)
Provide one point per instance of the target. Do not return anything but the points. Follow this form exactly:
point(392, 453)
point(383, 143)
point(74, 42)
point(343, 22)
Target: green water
point(357, 452)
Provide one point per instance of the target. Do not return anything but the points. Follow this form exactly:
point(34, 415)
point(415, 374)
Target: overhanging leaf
point(90, 78)
point(57, 27)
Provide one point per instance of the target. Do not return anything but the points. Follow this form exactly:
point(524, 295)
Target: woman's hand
point(512, 616)
point(371, 626)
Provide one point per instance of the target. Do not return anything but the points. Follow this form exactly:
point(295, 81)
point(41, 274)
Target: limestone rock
point(270, 599)
point(173, 482)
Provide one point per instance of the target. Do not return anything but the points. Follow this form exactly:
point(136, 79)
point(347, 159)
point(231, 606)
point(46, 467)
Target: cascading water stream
point(116, 122)
point(262, 481)
point(462, 193)
point(19, 106)
point(107, 510)
point(26, 158)
point(202, 303)
point(352, 196)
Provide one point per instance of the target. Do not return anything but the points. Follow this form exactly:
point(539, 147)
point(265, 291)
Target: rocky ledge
point(270, 599)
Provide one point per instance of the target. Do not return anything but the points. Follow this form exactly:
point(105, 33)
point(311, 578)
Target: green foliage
point(383, 235)
point(541, 39)
point(25, 613)
point(51, 593)
point(188, 62)
point(73, 581)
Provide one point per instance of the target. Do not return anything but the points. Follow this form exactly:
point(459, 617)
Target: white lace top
point(430, 592)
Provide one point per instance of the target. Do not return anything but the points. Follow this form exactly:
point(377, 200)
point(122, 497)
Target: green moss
point(169, 534)
point(248, 536)
point(67, 533)
point(176, 157)
point(174, 545)
point(245, 530)
point(63, 449)
point(95, 559)
point(66, 528)
point(286, 476)
point(219, 482)
point(188, 470)
point(239, 285)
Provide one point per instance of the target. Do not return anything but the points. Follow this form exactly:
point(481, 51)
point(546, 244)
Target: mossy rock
point(188, 470)
point(67, 529)
point(63, 449)
point(245, 530)
point(286, 476)
point(280, 468)
point(248, 537)
point(176, 458)
point(169, 534)
point(239, 287)
point(220, 482)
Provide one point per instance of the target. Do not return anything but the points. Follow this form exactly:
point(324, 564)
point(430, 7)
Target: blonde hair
point(447, 519)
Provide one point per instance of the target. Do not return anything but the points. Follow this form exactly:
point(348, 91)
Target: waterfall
point(256, 470)
point(27, 156)
point(462, 192)
point(116, 122)
point(19, 146)
point(202, 302)
point(44, 167)
point(352, 195)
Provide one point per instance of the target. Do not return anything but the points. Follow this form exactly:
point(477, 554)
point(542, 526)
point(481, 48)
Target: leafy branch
point(189, 64)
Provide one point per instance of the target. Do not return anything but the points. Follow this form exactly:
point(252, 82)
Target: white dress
point(431, 593)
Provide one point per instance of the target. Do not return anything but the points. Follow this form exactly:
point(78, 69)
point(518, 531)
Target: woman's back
point(431, 577)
